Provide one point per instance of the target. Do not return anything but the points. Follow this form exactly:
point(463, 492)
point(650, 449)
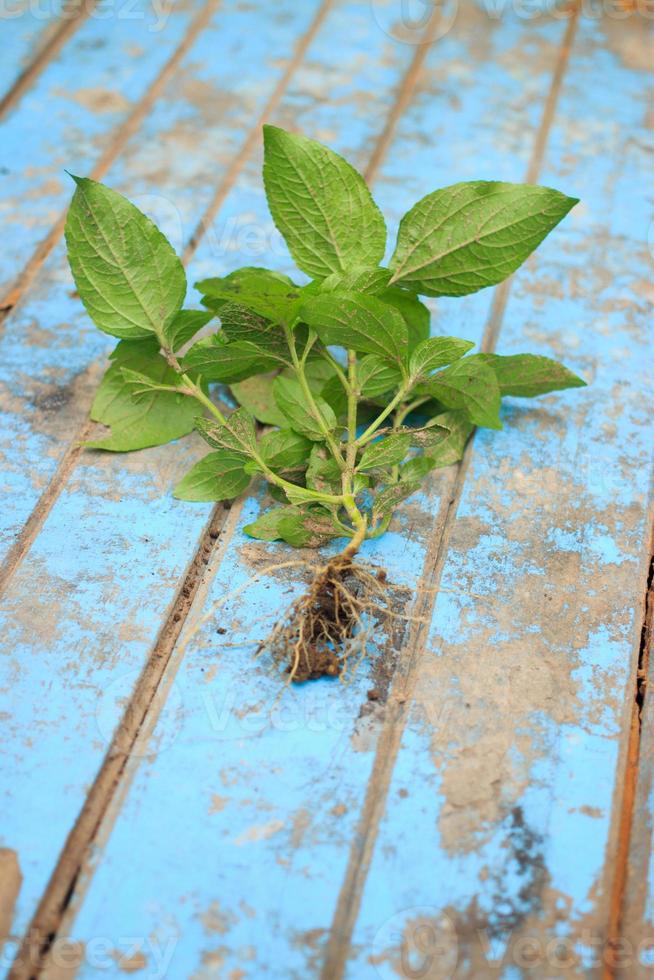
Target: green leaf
point(270, 294)
point(416, 469)
point(471, 385)
point(387, 499)
point(321, 205)
point(266, 527)
point(436, 353)
point(472, 235)
point(376, 375)
point(126, 272)
point(240, 324)
point(528, 375)
point(256, 394)
point(184, 326)
point(293, 404)
point(237, 434)
point(388, 451)
point(335, 395)
point(358, 280)
point(323, 473)
point(415, 314)
point(285, 450)
point(138, 421)
point(300, 527)
point(218, 476)
point(445, 438)
point(218, 360)
point(358, 322)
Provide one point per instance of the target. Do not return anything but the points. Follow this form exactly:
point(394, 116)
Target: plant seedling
point(345, 401)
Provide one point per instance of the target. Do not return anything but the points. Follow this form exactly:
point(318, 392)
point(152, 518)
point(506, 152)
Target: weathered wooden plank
point(105, 608)
point(70, 116)
point(500, 834)
point(268, 793)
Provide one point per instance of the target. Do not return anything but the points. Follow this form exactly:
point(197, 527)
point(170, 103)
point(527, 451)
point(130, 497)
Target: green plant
point(362, 402)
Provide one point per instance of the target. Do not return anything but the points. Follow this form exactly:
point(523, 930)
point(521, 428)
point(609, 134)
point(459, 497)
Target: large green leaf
point(299, 527)
point(321, 205)
point(471, 235)
point(292, 402)
point(443, 441)
point(138, 421)
point(387, 499)
point(357, 280)
point(218, 476)
point(127, 274)
point(528, 375)
point(240, 324)
point(359, 322)
point(471, 385)
point(323, 473)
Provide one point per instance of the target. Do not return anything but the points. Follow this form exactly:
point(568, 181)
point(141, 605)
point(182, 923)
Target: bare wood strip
point(123, 134)
point(349, 901)
point(71, 18)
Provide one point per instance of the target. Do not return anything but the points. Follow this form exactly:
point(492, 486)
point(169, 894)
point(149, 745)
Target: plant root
point(325, 632)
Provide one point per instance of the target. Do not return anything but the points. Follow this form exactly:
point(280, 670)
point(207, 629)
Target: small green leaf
point(472, 235)
point(138, 421)
point(266, 527)
point(528, 375)
point(218, 360)
point(376, 375)
point(256, 394)
point(436, 352)
point(387, 499)
point(218, 476)
point(416, 469)
point(471, 385)
point(357, 280)
point(388, 451)
point(308, 528)
point(184, 326)
point(269, 294)
point(237, 434)
point(285, 450)
point(415, 314)
point(323, 473)
point(444, 440)
point(321, 205)
point(358, 322)
point(292, 403)
point(126, 272)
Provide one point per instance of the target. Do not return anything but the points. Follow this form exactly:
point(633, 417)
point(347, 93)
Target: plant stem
point(308, 394)
point(372, 428)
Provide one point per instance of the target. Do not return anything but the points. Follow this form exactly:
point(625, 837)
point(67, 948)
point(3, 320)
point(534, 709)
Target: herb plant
point(345, 401)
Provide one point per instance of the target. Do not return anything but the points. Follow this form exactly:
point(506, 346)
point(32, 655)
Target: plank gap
point(617, 924)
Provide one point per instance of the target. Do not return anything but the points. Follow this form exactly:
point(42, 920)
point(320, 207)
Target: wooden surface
point(163, 810)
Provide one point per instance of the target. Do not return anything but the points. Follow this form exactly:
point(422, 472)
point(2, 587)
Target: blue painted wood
point(103, 609)
point(504, 807)
point(246, 816)
point(24, 31)
point(199, 126)
point(70, 116)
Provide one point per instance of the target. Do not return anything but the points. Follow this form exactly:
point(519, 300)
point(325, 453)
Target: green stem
point(308, 394)
point(372, 428)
